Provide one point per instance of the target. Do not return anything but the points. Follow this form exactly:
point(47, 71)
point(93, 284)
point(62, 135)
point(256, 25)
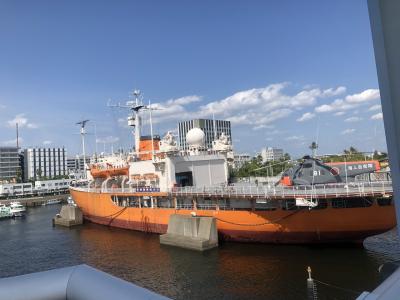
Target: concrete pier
point(191, 232)
point(69, 216)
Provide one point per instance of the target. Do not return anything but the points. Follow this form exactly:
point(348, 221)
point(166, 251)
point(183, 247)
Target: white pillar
point(385, 26)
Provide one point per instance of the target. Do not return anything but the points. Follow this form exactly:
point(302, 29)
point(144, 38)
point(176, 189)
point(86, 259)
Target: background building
point(239, 159)
point(207, 125)
point(10, 168)
point(76, 163)
point(45, 163)
point(271, 154)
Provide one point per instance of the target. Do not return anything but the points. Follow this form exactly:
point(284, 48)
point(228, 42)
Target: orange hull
point(330, 225)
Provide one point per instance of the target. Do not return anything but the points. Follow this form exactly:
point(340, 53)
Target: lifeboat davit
point(108, 171)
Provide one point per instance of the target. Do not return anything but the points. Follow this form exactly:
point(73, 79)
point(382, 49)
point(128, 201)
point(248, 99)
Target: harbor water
point(233, 271)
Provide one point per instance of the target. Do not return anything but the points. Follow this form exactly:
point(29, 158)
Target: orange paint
point(277, 226)
point(146, 148)
point(109, 171)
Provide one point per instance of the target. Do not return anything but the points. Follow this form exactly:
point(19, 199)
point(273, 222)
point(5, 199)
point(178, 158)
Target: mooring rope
point(116, 215)
point(338, 287)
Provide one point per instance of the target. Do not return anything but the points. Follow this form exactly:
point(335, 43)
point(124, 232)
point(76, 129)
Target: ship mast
point(83, 133)
point(135, 120)
point(138, 122)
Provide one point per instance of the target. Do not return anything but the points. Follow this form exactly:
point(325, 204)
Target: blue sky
point(284, 72)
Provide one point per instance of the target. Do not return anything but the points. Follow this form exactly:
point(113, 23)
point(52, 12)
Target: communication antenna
point(134, 119)
point(83, 133)
point(95, 138)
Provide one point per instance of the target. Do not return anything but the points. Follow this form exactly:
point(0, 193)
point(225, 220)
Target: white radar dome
point(195, 138)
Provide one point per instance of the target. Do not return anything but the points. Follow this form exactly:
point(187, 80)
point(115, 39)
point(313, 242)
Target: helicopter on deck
point(312, 171)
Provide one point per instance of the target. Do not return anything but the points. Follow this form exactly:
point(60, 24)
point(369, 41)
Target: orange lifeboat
point(109, 170)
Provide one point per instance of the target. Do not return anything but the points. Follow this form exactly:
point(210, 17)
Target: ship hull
point(302, 226)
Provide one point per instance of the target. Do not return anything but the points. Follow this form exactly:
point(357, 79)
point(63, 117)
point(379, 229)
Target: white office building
point(239, 159)
point(271, 154)
point(52, 185)
point(44, 162)
point(207, 126)
point(76, 163)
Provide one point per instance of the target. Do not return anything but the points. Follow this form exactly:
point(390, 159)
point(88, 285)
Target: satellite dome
point(195, 138)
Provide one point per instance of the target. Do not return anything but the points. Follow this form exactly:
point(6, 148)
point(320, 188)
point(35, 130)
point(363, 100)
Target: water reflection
point(233, 271)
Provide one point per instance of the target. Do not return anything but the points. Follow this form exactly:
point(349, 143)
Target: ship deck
point(318, 191)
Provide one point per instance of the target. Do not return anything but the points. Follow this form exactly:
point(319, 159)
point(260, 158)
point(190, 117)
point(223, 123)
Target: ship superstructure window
point(322, 204)
point(125, 201)
point(289, 204)
point(184, 179)
point(351, 202)
point(266, 205)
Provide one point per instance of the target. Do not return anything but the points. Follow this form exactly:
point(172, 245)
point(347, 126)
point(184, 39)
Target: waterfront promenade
point(36, 200)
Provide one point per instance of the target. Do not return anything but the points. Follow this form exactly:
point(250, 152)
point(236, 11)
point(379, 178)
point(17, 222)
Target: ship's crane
point(83, 133)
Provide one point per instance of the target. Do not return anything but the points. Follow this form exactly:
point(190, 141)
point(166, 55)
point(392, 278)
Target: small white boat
point(17, 209)
point(51, 201)
point(5, 212)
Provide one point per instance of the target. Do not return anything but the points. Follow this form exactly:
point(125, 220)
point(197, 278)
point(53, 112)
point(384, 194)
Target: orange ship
point(141, 190)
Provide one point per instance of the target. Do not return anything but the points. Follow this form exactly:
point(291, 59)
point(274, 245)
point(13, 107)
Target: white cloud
point(378, 116)
point(295, 138)
point(108, 140)
point(306, 116)
point(265, 105)
point(349, 102)
point(184, 100)
point(375, 107)
point(22, 122)
point(257, 107)
point(365, 96)
point(262, 126)
point(47, 142)
point(348, 131)
point(13, 142)
point(334, 92)
point(339, 113)
point(274, 132)
point(31, 126)
point(353, 119)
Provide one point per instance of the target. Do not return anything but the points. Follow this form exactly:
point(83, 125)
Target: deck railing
point(353, 189)
point(315, 191)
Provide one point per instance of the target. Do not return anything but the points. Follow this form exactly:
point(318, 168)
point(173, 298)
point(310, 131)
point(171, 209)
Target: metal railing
point(307, 191)
point(353, 189)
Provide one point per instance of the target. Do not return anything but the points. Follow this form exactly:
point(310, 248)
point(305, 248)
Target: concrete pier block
point(191, 232)
point(69, 216)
